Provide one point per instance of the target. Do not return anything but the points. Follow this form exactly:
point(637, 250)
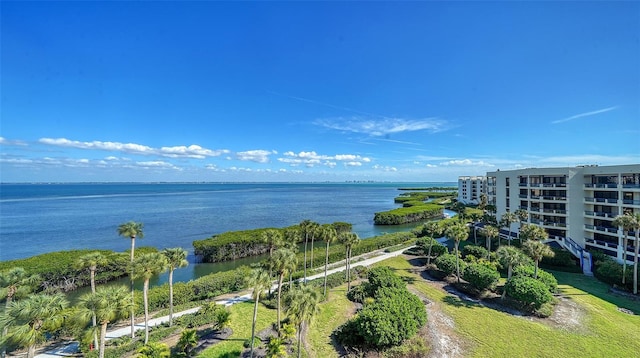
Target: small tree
point(176, 258)
point(481, 276)
point(537, 251)
point(188, 341)
point(458, 232)
point(490, 233)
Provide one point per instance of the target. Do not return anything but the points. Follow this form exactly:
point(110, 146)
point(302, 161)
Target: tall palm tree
point(260, 281)
point(107, 304)
point(636, 246)
point(29, 320)
point(458, 232)
point(15, 283)
point(308, 230)
point(283, 261)
point(91, 261)
point(132, 230)
point(176, 258)
point(432, 229)
point(460, 208)
point(490, 233)
point(328, 235)
point(509, 257)
point(506, 220)
point(534, 232)
point(315, 231)
point(625, 223)
point(349, 239)
point(303, 308)
point(522, 216)
point(537, 250)
point(147, 266)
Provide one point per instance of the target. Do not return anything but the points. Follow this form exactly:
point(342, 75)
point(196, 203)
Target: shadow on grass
point(234, 354)
point(418, 261)
point(594, 287)
point(457, 302)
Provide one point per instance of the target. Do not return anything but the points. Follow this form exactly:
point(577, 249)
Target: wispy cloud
point(585, 114)
point(382, 127)
point(5, 141)
point(192, 151)
point(467, 163)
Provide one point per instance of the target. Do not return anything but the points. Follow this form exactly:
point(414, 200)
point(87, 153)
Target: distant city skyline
point(314, 91)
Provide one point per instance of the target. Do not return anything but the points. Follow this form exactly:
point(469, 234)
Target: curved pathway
point(71, 348)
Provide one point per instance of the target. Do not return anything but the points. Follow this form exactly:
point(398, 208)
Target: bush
point(610, 272)
point(437, 248)
point(543, 276)
point(529, 291)
point(478, 252)
point(481, 277)
point(447, 264)
point(562, 258)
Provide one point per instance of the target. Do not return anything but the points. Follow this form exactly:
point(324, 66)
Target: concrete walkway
point(72, 348)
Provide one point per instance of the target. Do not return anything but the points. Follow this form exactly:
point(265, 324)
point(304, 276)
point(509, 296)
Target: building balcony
point(600, 214)
point(523, 196)
point(554, 198)
point(536, 221)
point(534, 209)
point(603, 244)
point(601, 200)
point(554, 185)
point(631, 202)
point(602, 186)
point(608, 230)
point(554, 211)
point(554, 224)
point(631, 186)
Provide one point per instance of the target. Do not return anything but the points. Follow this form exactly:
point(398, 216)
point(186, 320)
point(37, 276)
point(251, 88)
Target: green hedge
point(481, 276)
point(409, 214)
point(232, 245)
point(528, 290)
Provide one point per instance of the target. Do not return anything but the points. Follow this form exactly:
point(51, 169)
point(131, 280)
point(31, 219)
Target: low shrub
point(481, 277)
point(610, 272)
point(543, 276)
point(477, 251)
point(447, 264)
point(529, 291)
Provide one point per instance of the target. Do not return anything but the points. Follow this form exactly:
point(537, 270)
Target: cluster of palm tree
point(25, 322)
point(627, 223)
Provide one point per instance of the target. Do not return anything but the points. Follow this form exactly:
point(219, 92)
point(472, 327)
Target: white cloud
point(258, 156)
point(381, 127)
point(467, 163)
point(192, 151)
point(311, 159)
point(385, 168)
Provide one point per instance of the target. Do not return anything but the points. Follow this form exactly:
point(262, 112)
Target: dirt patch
point(567, 315)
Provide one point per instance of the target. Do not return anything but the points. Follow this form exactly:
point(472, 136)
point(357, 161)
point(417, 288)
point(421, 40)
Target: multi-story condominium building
point(576, 205)
point(470, 189)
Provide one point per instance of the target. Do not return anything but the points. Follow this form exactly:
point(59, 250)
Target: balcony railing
point(536, 221)
point(554, 211)
point(631, 186)
point(523, 184)
point(549, 223)
point(602, 243)
point(534, 208)
point(600, 214)
point(610, 230)
point(631, 202)
point(554, 185)
point(609, 185)
point(554, 197)
point(523, 196)
point(535, 196)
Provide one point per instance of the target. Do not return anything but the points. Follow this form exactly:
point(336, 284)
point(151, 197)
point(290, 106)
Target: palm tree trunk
point(489, 246)
point(311, 258)
point(103, 338)
point(635, 262)
point(349, 269)
point(326, 265)
point(5, 330)
point(509, 240)
point(146, 310)
point(95, 332)
point(170, 298)
point(624, 259)
point(93, 281)
point(253, 324)
point(32, 351)
point(457, 263)
point(279, 291)
point(535, 271)
point(299, 339)
point(133, 299)
point(306, 240)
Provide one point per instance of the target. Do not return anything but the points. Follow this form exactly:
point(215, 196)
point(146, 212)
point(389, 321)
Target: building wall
point(579, 203)
point(470, 188)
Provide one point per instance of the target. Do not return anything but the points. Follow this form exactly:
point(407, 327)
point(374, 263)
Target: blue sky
point(314, 91)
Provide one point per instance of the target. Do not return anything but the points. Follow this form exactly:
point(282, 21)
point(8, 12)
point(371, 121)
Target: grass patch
point(241, 318)
point(489, 333)
point(333, 313)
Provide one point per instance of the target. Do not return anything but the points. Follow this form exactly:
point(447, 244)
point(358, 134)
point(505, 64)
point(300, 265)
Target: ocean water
point(41, 218)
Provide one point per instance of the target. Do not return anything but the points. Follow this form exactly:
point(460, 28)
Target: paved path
point(71, 348)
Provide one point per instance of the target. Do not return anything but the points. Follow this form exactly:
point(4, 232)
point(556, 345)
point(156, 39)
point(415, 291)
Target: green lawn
point(333, 313)
point(605, 332)
point(241, 318)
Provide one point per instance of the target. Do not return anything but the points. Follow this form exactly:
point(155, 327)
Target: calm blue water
point(40, 218)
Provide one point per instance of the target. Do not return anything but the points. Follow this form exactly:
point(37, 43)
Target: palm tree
point(176, 258)
point(29, 320)
point(188, 341)
point(534, 232)
point(290, 238)
point(349, 239)
point(283, 261)
point(260, 281)
point(107, 304)
point(625, 223)
point(460, 208)
point(475, 219)
point(147, 266)
point(91, 261)
point(483, 201)
point(510, 257)
point(490, 233)
point(432, 230)
point(458, 232)
point(636, 246)
point(308, 230)
point(506, 220)
point(303, 308)
point(132, 230)
point(15, 283)
point(315, 230)
point(276, 348)
point(522, 216)
point(154, 350)
point(537, 250)
point(328, 235)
